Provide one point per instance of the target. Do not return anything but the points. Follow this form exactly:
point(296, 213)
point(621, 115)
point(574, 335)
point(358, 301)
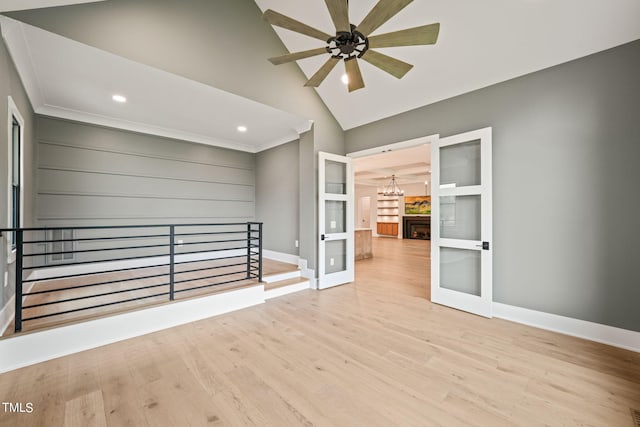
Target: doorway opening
point(399, 220)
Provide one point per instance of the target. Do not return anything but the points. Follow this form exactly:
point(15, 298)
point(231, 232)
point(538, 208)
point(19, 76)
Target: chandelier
point(392, 189)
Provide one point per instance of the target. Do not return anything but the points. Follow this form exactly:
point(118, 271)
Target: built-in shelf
point(388, 211)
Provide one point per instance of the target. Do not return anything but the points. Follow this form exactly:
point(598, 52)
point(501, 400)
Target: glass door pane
point(335, 177)
point(460, 217)
point(335, 216)
point(460, 270)
point(460, 165)
point(335, 256)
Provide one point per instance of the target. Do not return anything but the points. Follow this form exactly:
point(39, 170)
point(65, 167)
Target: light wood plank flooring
point(372, 353)
point(143, 287)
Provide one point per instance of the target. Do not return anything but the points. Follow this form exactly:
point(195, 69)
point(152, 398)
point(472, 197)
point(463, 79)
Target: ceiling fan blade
point(290, 57)
point(426, 34)
point(323, 72)
point(280, 20)
point(381, 13)
point(393, 66)
point(339, 14)
point(354, 75)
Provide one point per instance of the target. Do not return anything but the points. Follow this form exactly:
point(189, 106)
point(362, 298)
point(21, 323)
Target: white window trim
point(12, 111)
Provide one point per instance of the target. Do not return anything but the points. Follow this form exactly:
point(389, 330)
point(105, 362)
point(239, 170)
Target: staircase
point(285, 280)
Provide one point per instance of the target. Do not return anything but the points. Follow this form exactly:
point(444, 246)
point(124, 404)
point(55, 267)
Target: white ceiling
point(481, 43)
point(9, 5)
point(81, 86)
point(409, 165)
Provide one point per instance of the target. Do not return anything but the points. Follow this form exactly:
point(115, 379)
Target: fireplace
point(416, 227)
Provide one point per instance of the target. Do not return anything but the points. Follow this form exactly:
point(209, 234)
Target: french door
point(461, 221)
point(335, 220)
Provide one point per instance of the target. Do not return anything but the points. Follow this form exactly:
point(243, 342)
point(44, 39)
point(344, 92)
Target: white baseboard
point(617, 337)
point(30, 348)
point(7, 313)
point(285, 290)
point(280, 256)
point(308, 273)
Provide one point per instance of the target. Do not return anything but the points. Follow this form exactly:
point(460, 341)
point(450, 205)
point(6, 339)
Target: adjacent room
point(364, 212)
point(393, 215)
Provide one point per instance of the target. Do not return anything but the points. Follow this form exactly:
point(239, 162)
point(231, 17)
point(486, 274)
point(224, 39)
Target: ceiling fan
point(352, 42)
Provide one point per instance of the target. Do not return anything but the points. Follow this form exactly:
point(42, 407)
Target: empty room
point(339, 212)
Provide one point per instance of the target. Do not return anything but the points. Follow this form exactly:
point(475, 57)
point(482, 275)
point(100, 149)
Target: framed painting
point(420, 205)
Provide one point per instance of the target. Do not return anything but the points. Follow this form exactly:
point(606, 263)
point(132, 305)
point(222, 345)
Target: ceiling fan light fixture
point(345, 79)
point(119, 98)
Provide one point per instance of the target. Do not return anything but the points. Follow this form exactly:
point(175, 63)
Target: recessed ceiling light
point(345, 79)
point(242, 128)
point(119, 98)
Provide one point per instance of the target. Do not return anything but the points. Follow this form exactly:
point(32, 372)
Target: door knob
point(484, 246)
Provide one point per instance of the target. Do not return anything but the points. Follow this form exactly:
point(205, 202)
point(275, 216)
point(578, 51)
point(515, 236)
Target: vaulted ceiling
point(480, 43)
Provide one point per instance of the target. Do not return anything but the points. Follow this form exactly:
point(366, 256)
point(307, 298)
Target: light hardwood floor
point(372, 353)
point(150, 286)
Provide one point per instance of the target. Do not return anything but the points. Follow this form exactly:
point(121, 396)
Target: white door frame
point(394, 146)
point(482, 304)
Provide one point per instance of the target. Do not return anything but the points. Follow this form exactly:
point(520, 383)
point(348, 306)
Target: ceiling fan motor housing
point(348, 45)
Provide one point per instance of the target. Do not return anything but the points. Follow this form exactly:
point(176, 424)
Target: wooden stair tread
point(277, 267)
point(282, 283)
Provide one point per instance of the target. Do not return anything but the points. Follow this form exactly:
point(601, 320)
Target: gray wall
point(278, 196)
point(222, 43)
point(565, 176)
point(89, 175)
point(10, 85)
point(308, 199)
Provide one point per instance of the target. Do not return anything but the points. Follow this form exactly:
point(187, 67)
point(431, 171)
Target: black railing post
point(248, 250)
point(172, 255)
point(259, 252)
point(19, 253)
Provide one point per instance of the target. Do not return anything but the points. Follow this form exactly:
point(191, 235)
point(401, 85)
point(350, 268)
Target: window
point(15, 173)
point(15, 178)
point(60, 246)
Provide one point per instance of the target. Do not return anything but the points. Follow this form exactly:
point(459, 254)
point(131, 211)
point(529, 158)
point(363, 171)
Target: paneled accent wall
point(90, 175)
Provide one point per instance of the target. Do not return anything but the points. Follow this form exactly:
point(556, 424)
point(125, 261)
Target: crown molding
point(79, 116)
